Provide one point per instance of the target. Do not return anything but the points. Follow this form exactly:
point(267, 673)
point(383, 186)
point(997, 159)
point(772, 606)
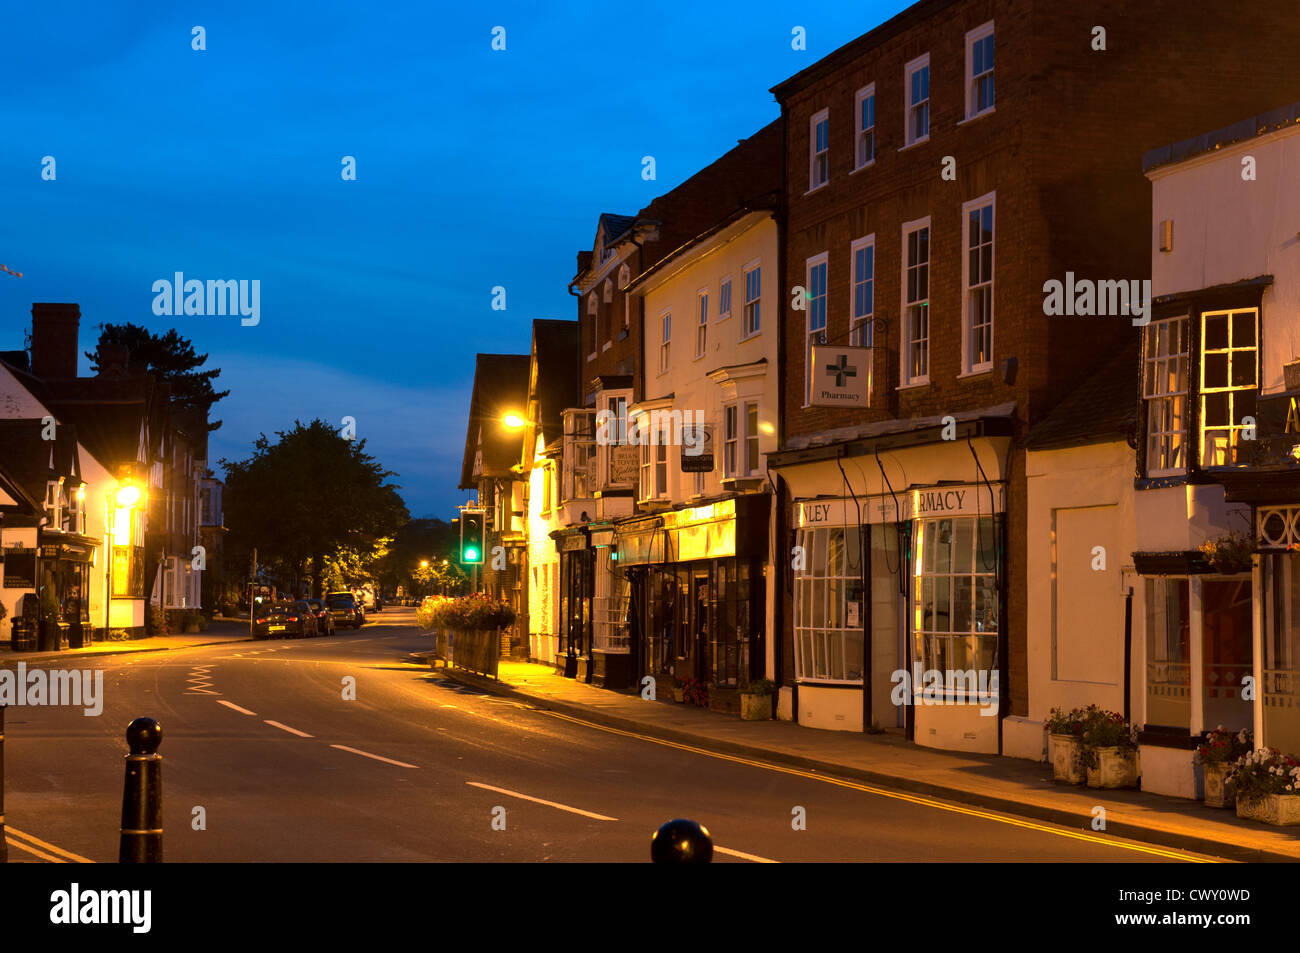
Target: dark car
point(345, 610)
point(324, 618)
point(285, 620)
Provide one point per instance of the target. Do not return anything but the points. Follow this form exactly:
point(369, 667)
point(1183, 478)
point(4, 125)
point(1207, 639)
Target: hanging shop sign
point(697, 449)
point(19, 568)
point(623, 462)
point(841, 376)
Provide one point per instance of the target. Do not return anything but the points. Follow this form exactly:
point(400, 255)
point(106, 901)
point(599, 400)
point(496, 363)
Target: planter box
point(1218, 793)
point(1116, 768)
point(1065, 760)
point(1282, 810)
point(1291, 375)
point(679, 694)
point(755, 707)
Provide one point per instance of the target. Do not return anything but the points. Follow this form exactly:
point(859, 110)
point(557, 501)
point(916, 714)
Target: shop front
point(573, 658)
point(50, 585)
point(698, 595)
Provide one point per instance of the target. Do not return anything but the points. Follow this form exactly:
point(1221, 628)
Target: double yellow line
point(899, 795)
point(42, 849)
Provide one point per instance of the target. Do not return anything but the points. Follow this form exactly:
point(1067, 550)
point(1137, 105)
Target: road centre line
point(367, 754)
point(743, 856)
point(292, 731)
point(243, 711)
point(537, 800)
point(896, 795)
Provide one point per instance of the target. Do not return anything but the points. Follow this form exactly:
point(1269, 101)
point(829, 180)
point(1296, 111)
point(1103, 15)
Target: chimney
point(113, 360)
point(54, 339)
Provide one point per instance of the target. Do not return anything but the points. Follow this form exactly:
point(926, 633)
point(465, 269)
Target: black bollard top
point(681, 842)
point(144, 735)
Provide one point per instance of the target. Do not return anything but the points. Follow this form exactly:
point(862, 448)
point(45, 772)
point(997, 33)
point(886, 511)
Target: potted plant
point(1109, 754)
point(756, 700)
point(1066, 731)
point(679, 691)
point(696, 692)
point(1220, 751)
point(48, 636)
point(1268, 787)
point(192, 622)
point(1230, 553)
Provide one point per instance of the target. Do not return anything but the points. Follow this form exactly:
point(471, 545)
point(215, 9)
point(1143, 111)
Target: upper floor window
point(753, 277)
point(918, 99)
point(819, 150)
point(654, 465)
point(702, 327)
point(978, 269)
point(1229, 382)
point(608, 293)
point(1164, 388)
point(740, 440)
point(579, 453)
point(624, 278)
point(815, 290)
point(592, 304)
point(863, 255)
point(724, 298)
point(865, 117)
point(916, 303)
point(665, 339)
point(979, 70)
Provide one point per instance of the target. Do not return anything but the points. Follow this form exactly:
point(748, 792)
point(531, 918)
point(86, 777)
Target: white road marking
point(244, 711)
point(538, 800)
point(743, 856)
point(367, 754)
point(292, 731)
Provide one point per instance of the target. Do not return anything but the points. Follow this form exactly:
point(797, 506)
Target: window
point(645, 483)
point(751, 439)
point(918, 100)
point(1168, 652)
point(740, 440)
point(828, 606)
point(579, 454)
point(702, 327)
point(955, 596)
point(865, 117)
point(753, 292)
point(661, 462)
point(863, 254)
point(592, 304)
point(54, 504)
point(608, 293)
point(624, 279)
point(654, 462)
point(815, 302)
point(978, 270)
point(593, 307)
point(724, 299)
point(1229, 382)
point(1164, 387)
point(979, 70)
point(732, 440)
point(819, 150)
point(665, 339)
point(916, 303)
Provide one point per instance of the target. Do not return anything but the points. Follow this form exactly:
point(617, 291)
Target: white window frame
point(822, 593)
point(861, 329)
point(752, 327)
point(910, 108)
point(1234, 421)
point(702, 322)
point(906, 339)
point(665, 339)
point(751, 439)
point(814, 335)
point(724, 298)
point(968, 362)
point(814, 154)
point(981, 32)
point(730, 440)
point(1157, 393)
point(860, 131)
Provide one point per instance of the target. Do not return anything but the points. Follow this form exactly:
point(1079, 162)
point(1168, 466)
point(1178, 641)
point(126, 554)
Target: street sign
point(841, 376)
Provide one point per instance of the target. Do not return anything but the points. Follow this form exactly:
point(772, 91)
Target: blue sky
point(475, 168)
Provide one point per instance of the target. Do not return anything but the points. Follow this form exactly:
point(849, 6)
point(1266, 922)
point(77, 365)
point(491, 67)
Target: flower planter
point(755, 707)
point(1116, 768)
point(1066, 768)
point(679, 694)
point(1218, 793)
point(1282, 810)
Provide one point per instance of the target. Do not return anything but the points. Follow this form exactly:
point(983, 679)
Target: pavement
point(1014, 786)
point(219, 632)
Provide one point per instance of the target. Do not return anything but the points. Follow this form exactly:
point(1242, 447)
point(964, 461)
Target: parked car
point(345, 609)
point(324, 618)
point(285, 620)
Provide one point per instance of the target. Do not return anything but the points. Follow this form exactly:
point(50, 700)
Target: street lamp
point(513, 421)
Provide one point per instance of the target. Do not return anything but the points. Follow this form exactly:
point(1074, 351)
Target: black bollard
point(4, 846)
point(142, 796)
point(681, 842)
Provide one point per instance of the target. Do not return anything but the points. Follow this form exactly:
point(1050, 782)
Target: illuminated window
point(1164, 387)
point(1229, 383)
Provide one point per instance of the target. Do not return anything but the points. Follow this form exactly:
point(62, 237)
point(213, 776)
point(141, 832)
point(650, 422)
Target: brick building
point(914, 179)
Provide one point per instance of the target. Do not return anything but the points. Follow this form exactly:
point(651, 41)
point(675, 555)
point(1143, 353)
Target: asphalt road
point(261, 738)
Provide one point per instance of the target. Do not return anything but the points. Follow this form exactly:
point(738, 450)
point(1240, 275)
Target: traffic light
point(473, 537)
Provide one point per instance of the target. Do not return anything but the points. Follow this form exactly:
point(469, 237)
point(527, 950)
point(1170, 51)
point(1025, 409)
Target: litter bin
point(77, 635)
point(23, 638)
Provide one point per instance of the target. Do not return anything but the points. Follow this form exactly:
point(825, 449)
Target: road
point(261, 745)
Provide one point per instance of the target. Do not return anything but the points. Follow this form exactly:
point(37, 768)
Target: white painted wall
point(543, 562)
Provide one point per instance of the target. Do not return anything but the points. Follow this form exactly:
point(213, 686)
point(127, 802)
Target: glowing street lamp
point(513, 421)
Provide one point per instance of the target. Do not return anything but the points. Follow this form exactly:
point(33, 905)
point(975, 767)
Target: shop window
point(1168, 652)
point(955, 595)
point(737, 611)
point(828, 606)
point(1164, 388)
point(610, 611)
point(1228, 656)
point(1229, 383)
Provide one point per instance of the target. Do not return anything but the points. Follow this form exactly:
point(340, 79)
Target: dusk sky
point(474, 168)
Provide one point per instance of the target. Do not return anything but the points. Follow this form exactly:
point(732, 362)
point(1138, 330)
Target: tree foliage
point(312, 496)
point(170, 358)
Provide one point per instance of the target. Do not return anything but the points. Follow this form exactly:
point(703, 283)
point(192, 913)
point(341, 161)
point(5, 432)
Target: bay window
point(1164, 389)
point(1229, 383)
point(955, 594)
point(828, 637)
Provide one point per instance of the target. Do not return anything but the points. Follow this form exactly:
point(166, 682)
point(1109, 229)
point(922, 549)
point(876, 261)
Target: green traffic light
point(471, 554)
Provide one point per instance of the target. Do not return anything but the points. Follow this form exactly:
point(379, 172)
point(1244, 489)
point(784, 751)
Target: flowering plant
point(1229, 553)
point(1222, 746)
point(1104, 729)
point(695, 692)
point(1062, 722)
point(1263, 772)
point(475, 611)
point(430, 611)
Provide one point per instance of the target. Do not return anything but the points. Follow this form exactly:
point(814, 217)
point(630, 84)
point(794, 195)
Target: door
point(697, 644)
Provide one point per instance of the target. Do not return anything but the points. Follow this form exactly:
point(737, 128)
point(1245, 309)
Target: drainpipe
point(1128, 654)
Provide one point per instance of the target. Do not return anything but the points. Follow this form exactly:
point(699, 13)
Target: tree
point(311, 497)
point(170, 358)
point(420, 540)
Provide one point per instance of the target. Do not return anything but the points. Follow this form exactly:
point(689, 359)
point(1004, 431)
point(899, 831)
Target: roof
point(1100, 410)
point(555, 379)
point(616, 226)
point(1258, 125)
point(500, 387)
point(32, 460)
